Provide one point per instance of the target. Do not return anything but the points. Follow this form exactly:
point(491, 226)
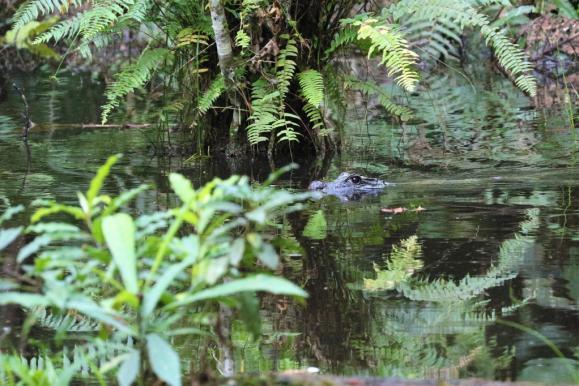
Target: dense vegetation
point(257, 71)
point(120, 291)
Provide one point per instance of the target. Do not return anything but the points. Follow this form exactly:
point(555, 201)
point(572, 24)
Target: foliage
point(393, 48)
point(276, 52)
point(133, 77)
point(461, 14)
point(137, 278)
point(24, 38)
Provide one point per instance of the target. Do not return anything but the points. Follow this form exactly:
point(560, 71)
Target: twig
point(28, 124)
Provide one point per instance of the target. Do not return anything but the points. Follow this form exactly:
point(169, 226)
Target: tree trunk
point(222, 39)
point(226, 60)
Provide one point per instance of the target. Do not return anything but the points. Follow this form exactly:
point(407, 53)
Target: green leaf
point(182, 187)
point(119, 232)
point(129, 370)
point(53, 227)
point(33, 247)
point(566, 9)
point(236, 252)
point(97, 182)
point(216, 269)
point(23, 299)
point(257, 215)
point(164, 360)
point(152, 296)
point(317, 227)
point(10, 212)
point(91, 309)
point(261, 282)
point(75, 212)
point(7, 236)
point(268, 256)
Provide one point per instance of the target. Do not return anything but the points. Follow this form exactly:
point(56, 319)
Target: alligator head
point(348, 187)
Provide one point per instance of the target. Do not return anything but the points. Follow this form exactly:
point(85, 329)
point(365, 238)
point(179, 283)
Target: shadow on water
point(499, 238)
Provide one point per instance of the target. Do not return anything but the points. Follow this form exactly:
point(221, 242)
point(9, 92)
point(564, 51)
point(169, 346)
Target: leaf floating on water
point(401, 209)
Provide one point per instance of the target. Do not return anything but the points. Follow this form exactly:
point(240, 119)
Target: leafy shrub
point(153, 277)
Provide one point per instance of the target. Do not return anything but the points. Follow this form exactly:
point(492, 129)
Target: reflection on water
point(417, 294)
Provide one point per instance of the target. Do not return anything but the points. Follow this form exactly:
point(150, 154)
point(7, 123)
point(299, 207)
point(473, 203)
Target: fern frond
point(102, 16)
point(137, 12)
point(343, 38)
point(264, 103)
point(286, 67)
point(32, 9)
point(312, 86)
point(463, 14)
point(388, 40)
point(314, 115)
point(133, 77)
point(214, 91)
point(371, 88)
point(242, 39)
point(65, 322)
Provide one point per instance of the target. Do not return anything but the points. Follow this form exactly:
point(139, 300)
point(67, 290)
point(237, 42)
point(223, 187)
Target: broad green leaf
point(7, 236)
point(152, 296)
point(10, 212)
point(261, 282)
point(129, 370)
point(182, 187)
point(91, 309)
point(258, 215)
point(77, 213)
point(97, 182)
point(124, 198)
point(23, 299)
point(268, 256)
point(278, 173)
point(164, 360)
point(53, 227)
point(216, 269)
point(119, 232)
point(33, 247)
point(236, 251)
point(317, 227)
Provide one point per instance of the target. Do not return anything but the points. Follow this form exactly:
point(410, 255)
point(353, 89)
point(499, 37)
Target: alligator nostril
point(317, 185)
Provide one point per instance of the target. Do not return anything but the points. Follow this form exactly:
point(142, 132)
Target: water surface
point(499, 239)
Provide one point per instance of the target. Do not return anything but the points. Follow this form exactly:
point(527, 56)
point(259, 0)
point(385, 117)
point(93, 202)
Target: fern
point(462, 13)
point(215, 90)
point(32, 9)
point(343, 38)
point(66, 322)
point(371, 88)
point(242, 39)
point(315, 116)
point(133, 77)
point(312, 86)
point(102, 16)
point(449, 291)
point(286, 67)
point(265, 109)
point(388, 40)
point(268, 102)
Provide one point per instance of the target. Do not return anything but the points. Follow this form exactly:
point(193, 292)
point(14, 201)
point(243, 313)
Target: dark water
point(499, 239)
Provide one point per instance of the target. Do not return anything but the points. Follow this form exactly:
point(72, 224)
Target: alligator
point(350, 187)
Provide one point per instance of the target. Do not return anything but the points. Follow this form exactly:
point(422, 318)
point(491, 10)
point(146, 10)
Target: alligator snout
point(349, 185)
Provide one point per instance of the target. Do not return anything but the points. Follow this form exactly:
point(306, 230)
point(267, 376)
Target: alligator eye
point(356, 179)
